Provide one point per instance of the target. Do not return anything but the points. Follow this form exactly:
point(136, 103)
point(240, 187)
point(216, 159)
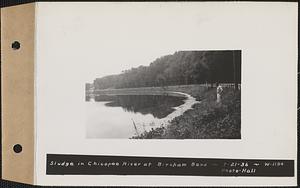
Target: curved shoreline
point(187, 91)
point(189, 101)
point(179, 110)
point(183, 123)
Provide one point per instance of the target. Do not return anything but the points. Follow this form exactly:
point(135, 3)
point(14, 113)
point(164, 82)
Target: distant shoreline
point(176, 91)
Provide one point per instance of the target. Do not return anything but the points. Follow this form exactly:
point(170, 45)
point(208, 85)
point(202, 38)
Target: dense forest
point(181, 68)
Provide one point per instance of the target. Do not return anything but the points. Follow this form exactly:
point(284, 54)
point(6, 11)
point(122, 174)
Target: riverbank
point(188, 104)
point(207, 120)
point(193, 90)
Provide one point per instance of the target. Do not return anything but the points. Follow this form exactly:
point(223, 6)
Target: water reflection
point(124, 116)
point(157, 105)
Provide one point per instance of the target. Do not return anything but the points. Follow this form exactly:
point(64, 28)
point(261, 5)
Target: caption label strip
point(58, 164)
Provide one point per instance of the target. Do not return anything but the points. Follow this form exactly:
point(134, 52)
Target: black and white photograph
point(184, 95)
point(153, 93)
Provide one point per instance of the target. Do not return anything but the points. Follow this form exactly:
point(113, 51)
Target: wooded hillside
point(183, 67)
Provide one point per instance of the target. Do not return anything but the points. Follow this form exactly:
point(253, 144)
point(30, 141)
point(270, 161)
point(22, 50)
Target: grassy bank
point(207, 120)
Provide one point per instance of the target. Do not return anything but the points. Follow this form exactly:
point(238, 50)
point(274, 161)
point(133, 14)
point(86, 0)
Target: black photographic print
point(190, 94)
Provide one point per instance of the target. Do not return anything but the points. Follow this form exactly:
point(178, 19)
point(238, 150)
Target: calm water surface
point(124, 116)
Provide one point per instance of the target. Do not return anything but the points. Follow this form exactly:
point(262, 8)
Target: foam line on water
point(179, 110)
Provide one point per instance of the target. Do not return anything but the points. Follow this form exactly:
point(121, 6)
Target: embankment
point(205, 120)
point(189, 101)
point(193, 90)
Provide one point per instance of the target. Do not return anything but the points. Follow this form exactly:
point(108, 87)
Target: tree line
point(180, 68)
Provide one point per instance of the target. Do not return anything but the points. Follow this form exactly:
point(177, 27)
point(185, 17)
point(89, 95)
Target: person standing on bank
point(219, 93)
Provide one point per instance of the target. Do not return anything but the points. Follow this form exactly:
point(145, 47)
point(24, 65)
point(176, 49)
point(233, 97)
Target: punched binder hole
point(17, 148)
point(15, 45)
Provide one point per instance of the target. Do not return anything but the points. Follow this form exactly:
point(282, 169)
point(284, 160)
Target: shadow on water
point(157, 105)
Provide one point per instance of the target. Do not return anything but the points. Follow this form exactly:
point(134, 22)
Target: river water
point(124, 116)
